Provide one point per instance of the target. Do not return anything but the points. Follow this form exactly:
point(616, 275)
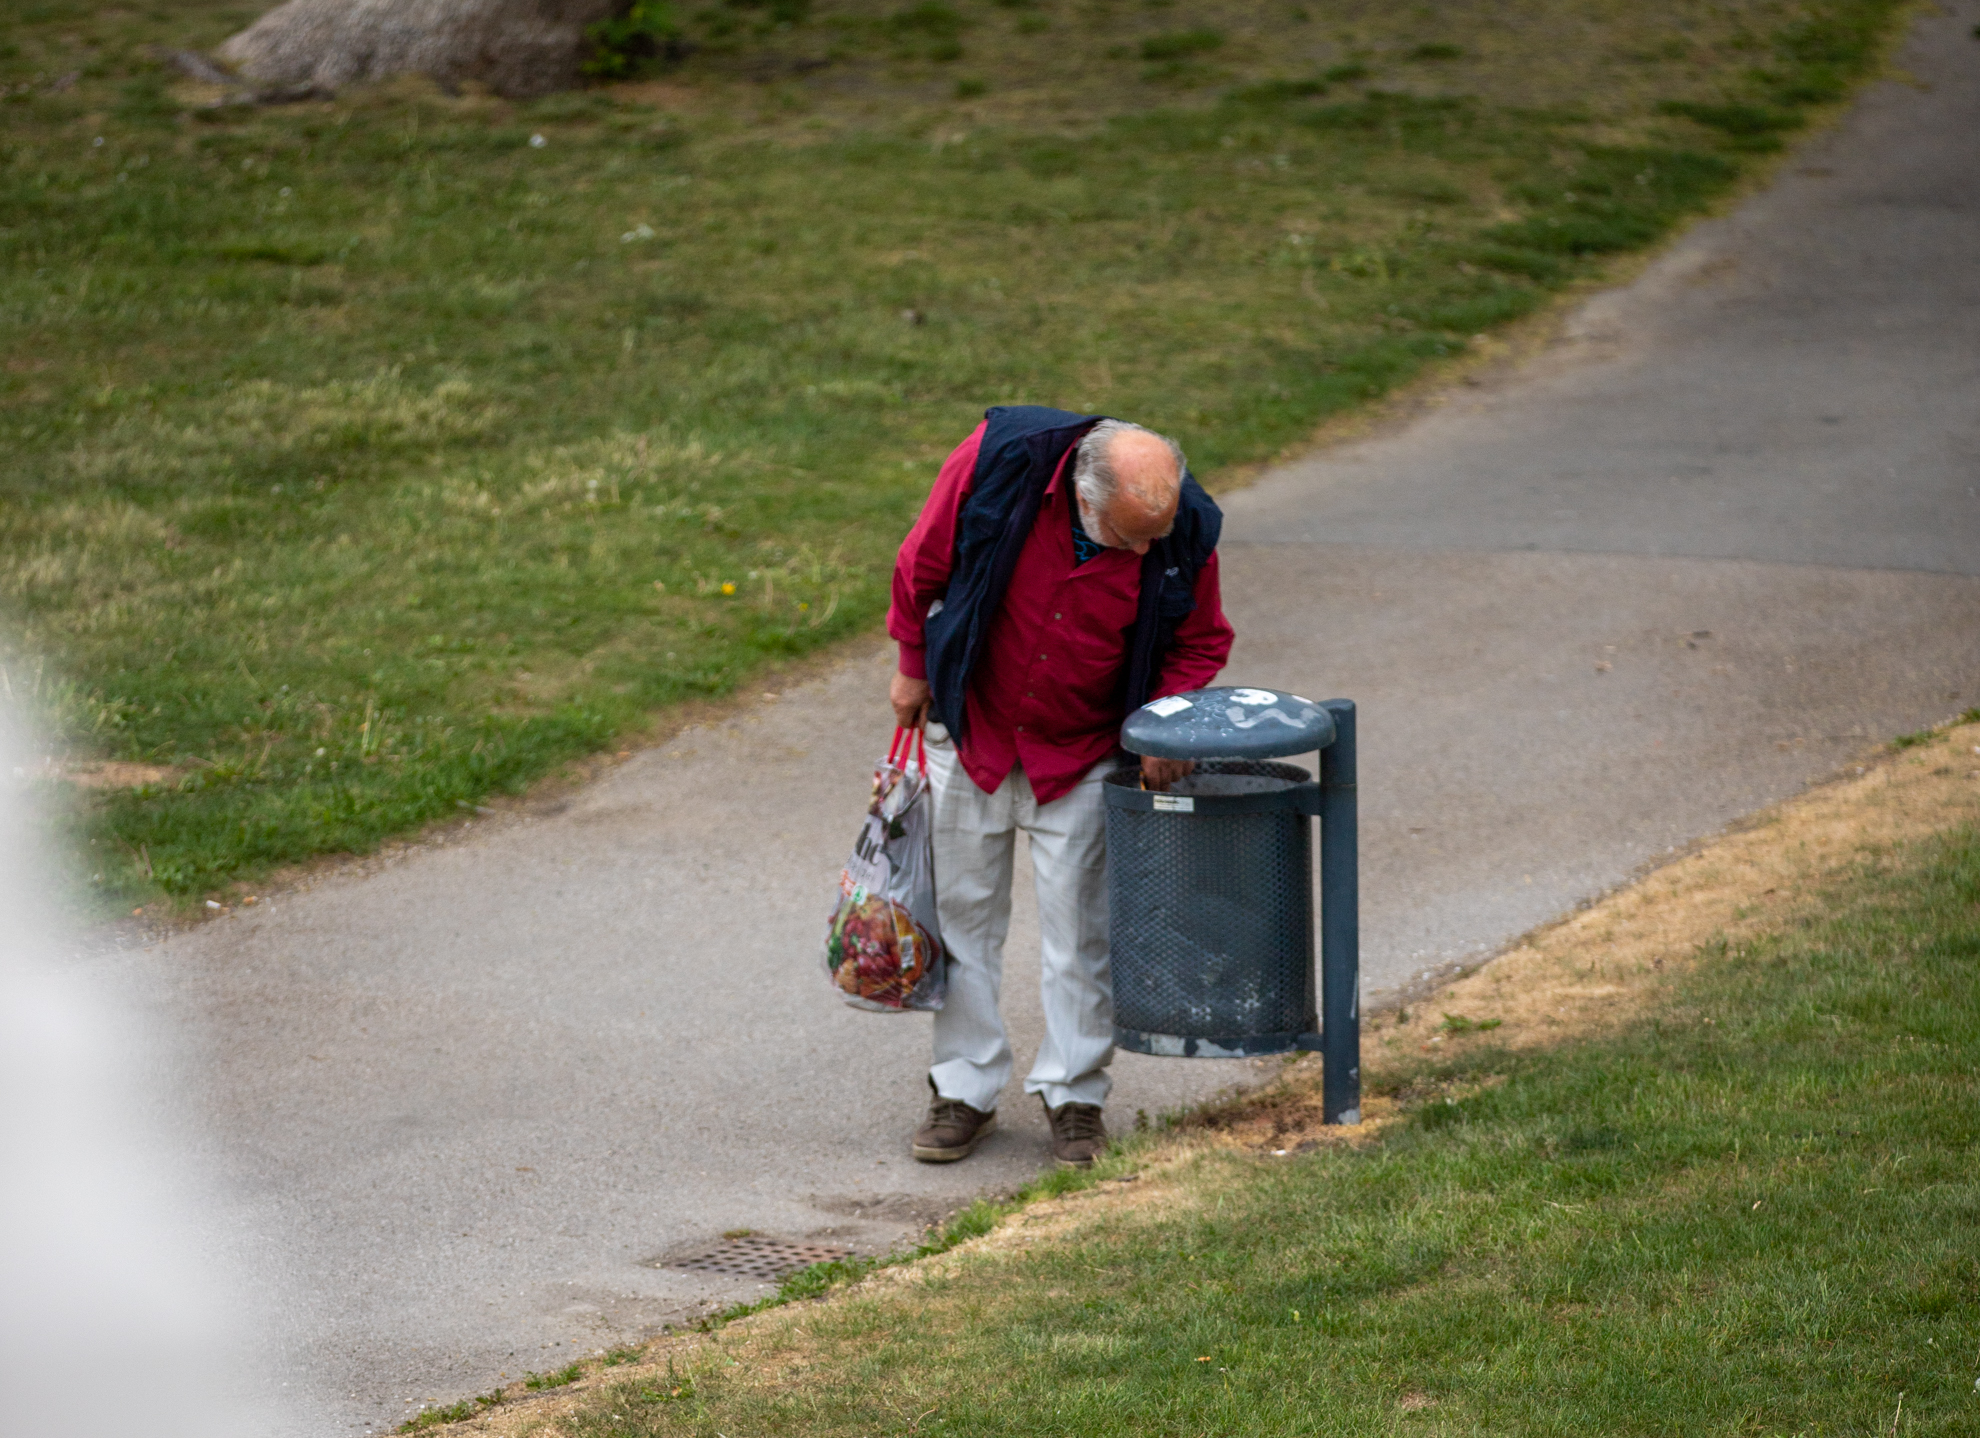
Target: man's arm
point(921, 575)
point(1196, 655)
point(1202, 643)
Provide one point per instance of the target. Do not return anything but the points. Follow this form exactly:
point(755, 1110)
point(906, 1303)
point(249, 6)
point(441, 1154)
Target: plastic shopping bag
point(883, 949)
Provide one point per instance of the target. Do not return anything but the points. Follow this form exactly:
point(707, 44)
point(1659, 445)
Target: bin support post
point(1340, 924)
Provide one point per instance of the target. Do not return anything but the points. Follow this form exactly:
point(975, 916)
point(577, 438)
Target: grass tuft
point(1747, 126)
point(440, 1417)
point(1181, 44)
point(1273, 92)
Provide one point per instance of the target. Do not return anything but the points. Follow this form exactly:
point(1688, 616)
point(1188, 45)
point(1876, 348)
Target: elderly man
point(1062, 572)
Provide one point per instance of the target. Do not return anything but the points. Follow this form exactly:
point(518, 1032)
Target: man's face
point(1125, 526)
point(1143, 508)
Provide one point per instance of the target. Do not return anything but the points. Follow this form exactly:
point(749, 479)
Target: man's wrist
point(913, 661)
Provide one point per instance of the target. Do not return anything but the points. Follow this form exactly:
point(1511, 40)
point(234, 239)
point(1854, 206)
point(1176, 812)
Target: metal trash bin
point(1210, 885)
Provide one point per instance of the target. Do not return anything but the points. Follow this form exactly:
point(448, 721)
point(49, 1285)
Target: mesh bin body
point(1211, 899)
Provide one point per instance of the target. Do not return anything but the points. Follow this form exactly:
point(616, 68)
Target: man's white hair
point(1093, 472)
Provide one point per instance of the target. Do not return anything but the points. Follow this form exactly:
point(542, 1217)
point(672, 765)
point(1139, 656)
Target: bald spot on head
point(1148, 486)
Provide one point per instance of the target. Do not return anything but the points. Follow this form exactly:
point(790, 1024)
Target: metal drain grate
point(755, 1256)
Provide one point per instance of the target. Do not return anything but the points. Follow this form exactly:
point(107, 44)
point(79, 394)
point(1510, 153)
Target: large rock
point(517, 48)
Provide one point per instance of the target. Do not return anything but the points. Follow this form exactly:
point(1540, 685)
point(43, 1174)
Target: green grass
point(1756, 1213)
point(365, 458)
point(1926, 736)
point(439, 1417)
point(1180, 44)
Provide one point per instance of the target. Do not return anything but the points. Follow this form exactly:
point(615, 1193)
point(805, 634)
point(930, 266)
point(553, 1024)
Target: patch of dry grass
point(1599, 969)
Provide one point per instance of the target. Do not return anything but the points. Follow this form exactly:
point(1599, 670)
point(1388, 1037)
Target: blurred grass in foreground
point(1755, 1213)
point(365, 457)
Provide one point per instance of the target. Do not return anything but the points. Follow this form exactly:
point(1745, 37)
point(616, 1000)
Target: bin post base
point(1340, 923)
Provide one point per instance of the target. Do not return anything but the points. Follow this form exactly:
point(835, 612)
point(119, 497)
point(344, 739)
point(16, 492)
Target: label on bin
point(1174, 803)
point(1174, 704)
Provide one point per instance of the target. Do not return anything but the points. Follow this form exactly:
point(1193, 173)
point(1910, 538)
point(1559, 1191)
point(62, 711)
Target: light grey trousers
point(975, 840)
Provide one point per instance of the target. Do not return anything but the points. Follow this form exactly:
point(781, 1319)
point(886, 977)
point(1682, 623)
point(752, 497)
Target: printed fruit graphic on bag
point(877, 951)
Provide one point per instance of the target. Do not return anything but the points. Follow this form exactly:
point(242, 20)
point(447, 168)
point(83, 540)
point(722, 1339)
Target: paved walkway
point(1706, 549)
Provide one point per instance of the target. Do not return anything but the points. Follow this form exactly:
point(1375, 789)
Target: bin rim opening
point(1292, 789)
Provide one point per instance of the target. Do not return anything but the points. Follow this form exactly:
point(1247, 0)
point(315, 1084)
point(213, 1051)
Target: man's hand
point(1159, 774)
point(910, 700)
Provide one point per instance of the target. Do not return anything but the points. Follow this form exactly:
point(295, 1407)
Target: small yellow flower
point(804, 606)
point(728, 589)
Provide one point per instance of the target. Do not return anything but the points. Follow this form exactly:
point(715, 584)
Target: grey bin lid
point(1228, 724)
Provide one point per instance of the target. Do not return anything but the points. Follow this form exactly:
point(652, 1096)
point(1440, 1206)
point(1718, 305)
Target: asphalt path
point(1705, 549)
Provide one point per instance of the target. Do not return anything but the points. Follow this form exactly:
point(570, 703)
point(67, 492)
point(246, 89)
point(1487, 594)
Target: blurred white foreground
point(112, 1319)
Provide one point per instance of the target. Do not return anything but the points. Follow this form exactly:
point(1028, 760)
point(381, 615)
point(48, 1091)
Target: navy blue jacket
point(1021, 450)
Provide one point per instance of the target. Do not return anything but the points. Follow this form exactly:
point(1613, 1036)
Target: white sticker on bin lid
point(1254, 697)
point(1163, 708)
point(1173, 803)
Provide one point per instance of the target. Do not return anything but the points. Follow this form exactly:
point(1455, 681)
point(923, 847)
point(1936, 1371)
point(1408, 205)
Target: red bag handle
point(909, 744)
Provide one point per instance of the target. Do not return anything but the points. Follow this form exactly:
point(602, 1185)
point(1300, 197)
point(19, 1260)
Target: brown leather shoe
point(952, 1130)
point(1078, 1135)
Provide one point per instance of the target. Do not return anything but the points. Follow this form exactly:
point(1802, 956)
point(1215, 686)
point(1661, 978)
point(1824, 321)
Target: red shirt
point(1046, 690)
